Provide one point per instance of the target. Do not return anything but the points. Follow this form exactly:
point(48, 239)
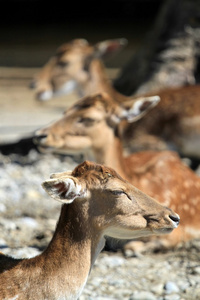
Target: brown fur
point(173, 123)
point(160, 174)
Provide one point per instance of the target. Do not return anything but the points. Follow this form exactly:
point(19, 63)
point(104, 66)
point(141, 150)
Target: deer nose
point(33, 84)
point(175, 219)
point(38, 138)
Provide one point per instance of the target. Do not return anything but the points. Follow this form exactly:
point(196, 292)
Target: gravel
point(28, 219)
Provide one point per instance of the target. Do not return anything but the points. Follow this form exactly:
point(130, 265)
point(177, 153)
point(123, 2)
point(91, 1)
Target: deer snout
point(33, 84)
point(39, 137)
point(41, 141)
point(163, 222)
point(171, 220)
point(175, 219)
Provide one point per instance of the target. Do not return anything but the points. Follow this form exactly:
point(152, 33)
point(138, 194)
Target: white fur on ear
point(110, 46)
point(140, 107)
point(115, 119)
point(65, 190)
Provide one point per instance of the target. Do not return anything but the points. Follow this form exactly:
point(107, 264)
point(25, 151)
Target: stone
point(143, 296)
point(171, 287)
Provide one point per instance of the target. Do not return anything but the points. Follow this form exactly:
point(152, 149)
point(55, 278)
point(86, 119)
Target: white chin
point(163, 231)
point(67, 88)
point(46, 96)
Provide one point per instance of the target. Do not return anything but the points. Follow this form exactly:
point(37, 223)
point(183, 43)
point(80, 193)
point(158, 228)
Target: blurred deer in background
point(92, 124)
point(96, 202)
point(173, 124)
point(77, 66)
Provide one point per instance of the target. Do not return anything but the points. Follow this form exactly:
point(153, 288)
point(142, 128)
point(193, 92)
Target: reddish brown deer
point(173, 124)
point(97, 202)
point(92, 124)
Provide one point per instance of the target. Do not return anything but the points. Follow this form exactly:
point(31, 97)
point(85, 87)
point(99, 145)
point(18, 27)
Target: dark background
point(31, 30)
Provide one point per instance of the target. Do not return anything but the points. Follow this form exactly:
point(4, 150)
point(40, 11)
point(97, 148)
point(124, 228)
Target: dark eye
point(86, 121)
point(117, 192)
point(120, 192)
point(62, 64)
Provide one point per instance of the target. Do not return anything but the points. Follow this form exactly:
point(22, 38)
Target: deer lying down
point(96, 202)
point(77, 67)
point(91, 124)
point(173, 124)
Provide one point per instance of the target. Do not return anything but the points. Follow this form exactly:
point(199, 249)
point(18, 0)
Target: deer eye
point(117, 192)
point(86, 121)
point(62, 64)
point(120, 192)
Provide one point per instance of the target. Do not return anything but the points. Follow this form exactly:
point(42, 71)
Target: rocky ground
point(28, 219)
point(28, 216)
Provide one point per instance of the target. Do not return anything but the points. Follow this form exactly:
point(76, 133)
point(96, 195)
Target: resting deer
point(77, 66)
point(92, 124)
point(173, 124)
point(97, 202)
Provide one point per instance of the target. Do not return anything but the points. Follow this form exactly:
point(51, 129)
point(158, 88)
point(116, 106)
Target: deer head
point(97, 202)
point(89, 121)
point(114, 206)
point(69, 69)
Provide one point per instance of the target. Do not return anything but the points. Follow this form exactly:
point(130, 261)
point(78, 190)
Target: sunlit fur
point(95, 208)
point(173, 123)
point(160, 174)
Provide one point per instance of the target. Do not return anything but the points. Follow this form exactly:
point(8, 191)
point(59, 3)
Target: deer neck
point(73, 248)
point(99, 82)
point(67, 261)
point(72, 234)
point(111, 154)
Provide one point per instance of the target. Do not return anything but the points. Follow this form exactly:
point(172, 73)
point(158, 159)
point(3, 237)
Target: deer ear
point(134, 110)
point(65, 190)
point(107, 48)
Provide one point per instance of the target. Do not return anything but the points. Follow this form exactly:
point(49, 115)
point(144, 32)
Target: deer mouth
point(161, 231)
point(45, 149)
point(171, 222)
point(40, 142)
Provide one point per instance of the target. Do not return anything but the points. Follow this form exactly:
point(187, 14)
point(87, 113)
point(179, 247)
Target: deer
point(173, 124)
point(91, 125)
point(77, 66)
point(96, 202)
